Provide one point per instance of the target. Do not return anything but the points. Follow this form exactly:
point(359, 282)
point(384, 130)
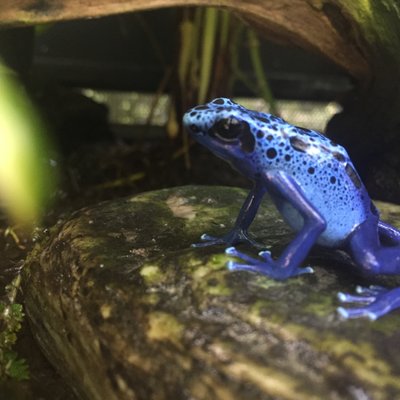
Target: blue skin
point(315, 187)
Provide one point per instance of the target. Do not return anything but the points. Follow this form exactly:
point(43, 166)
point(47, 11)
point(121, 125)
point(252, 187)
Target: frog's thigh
point(368, 253)
point(388, 233)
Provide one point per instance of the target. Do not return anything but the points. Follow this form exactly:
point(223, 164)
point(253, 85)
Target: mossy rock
point(124, 308)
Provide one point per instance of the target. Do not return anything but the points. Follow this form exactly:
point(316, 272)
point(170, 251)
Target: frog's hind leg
point(388, 234)
point(373, 257)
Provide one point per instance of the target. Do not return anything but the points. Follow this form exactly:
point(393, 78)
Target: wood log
point(333, 28)
point(125, 309)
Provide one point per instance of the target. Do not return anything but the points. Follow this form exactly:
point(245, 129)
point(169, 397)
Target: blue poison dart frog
point(315, 187)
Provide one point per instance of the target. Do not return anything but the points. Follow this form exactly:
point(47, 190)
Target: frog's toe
point(208, 240)
point(377, 299)
point(352, 313)
point(281, 274)
point(265, 255)
point(371, 290)
point(365, 295)
point(250, 263)
point(231, 238)
point(302, 271)
point(240, 236)
point(351, 298)
point(362, 312)
point(207, 237)
point(253, 243)
point(243, 256)
point(235, 266)
point(267, 266)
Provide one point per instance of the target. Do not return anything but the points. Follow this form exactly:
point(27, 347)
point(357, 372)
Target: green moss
point(264, 282)
point(217, 289)
point(379, 21)
point(360, 358)
point(200, 273)
point(106, 311)
point(152, 274)
point(164, 327)
point(210, 275)
point(388, 326)
point(262, 308)
point(320, 304)
point(219, 261)
point(151, 298)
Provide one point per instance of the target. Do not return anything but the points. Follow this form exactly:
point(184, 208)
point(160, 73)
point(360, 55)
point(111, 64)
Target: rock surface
point(126, 309)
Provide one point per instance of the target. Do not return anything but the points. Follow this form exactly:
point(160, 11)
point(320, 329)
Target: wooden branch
point(297, 21)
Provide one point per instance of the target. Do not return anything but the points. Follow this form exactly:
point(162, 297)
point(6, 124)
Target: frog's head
point(222, 126)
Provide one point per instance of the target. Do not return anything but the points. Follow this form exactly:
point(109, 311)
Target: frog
point(316, 189)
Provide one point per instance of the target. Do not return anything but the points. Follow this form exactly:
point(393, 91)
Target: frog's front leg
point(246, 216)
point(283, 187)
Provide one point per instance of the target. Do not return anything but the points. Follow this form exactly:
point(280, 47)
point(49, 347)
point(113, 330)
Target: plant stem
point(262, 82)
point(210, 29)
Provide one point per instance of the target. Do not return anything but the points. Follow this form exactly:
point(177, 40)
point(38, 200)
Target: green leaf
point(17, 368)
point(26, 177)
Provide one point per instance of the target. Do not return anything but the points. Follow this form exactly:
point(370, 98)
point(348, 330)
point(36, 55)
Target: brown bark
point(296, 21)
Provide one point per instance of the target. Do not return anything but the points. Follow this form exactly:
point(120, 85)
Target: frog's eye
point(227, 129)
point(233, 131)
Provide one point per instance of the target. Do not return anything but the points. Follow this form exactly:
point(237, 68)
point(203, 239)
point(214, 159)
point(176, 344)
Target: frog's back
point(322, 169)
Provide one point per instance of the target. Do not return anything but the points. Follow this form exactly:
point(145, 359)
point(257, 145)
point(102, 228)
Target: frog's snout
point(190, 124)
point(187, 120)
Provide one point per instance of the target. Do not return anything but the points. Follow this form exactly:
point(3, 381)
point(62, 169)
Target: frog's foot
point(266, 266)
point(377, 299)
point(233, 237)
